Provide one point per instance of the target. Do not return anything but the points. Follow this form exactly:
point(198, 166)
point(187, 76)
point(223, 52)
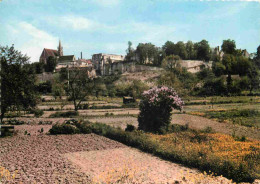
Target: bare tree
point(79, 86)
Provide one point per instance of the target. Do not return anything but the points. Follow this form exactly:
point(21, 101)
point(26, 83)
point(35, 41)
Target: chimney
point(81, 54)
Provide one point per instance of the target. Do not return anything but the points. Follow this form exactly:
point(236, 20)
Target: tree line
point(149, 53)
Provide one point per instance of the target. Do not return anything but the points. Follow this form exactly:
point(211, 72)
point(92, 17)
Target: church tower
point(60, 49)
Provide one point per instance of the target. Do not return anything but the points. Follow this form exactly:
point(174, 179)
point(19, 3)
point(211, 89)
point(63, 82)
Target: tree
point(129, 52)
point(254, 78)
point(169, 48)
point(17, 81)
point(171, 62)
point(190, 50)
point(229, 61)
point(218, 68)
point(79, 86)
point(257, 58)
point(39, 66)
point(203, 50)
point(51, 64)
point(156, 106)
point(147, 53)
point(243, 65)
point(137, 88)
point(229, 46)
point(63, 74)
point(180, 50)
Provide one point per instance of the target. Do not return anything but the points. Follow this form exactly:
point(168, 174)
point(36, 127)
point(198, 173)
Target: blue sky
point(95, 26)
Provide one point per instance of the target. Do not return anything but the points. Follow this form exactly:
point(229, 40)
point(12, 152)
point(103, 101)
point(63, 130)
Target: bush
point(84, 106)
point(130, 128)
point(177, 128)
point(155, 109)
point(84, 127)
point(14, 122)
point(64, 129)
point(37, 112)
point(67, 114)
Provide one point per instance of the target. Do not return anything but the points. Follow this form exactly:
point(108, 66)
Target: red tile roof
point(51, 52)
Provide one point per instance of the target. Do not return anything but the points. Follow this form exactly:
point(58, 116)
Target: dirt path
point(129, 165)
point(198, 122)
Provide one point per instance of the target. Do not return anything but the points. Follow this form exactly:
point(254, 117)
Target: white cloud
point(77, 23)
point(106, 3)
point(32, 40)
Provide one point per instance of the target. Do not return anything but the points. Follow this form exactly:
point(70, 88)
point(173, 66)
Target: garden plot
point(38, 158)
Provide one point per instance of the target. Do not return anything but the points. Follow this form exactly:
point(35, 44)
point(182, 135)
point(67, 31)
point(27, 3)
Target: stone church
point(46, 53)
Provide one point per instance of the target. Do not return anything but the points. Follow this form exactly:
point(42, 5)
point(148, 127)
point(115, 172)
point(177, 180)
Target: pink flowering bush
point(155, 109)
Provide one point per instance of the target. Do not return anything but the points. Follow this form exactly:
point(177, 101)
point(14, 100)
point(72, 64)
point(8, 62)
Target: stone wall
point(194, 66)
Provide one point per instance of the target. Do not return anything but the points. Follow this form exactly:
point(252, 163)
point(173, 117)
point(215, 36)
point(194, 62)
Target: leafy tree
point(180, 50)
point(243, 65)
point(17, 81)
point(99, 87)
point(63, 74)
point(169, 48)
point(129, 52)
point(147, 53)
point(218, 68)
point(203, 50)
point(38, 67)
point(44, 87)
point(137, 88)
point(229, 61)
point(254, 78)
point(229, 46)
point(50, 64)
point(170, 79)
point(191, 54)
point(171, 62)
point(80, 86)
point(205, 74)
point(257, 58)
point(58, 89)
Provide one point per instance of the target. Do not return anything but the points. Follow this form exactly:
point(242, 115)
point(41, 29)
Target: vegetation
point(211, 152)
point(79, 87)
point(156, 107)
point(17, 80)
point(245, 117)
point(67, 114)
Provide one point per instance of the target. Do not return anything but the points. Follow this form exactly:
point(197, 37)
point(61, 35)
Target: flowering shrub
point(156, 107)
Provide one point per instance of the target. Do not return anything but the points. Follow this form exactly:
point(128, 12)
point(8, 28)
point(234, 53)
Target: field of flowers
point(213, 148)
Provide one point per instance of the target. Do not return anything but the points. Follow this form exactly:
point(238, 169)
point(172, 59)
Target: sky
point(106, 26)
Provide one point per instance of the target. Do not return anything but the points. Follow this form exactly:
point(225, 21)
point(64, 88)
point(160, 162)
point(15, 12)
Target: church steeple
point(60, 49)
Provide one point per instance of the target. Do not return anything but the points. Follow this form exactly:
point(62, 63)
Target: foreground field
point(41, 158)
point(38, 158)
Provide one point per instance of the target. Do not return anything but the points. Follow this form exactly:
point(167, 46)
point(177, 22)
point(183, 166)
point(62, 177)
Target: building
point(245, 53)
point(66, 62)
point(84, 62)
point(46, 53)
point(100, 60)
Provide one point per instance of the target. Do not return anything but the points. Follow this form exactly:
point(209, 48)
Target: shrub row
point(67, 114)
